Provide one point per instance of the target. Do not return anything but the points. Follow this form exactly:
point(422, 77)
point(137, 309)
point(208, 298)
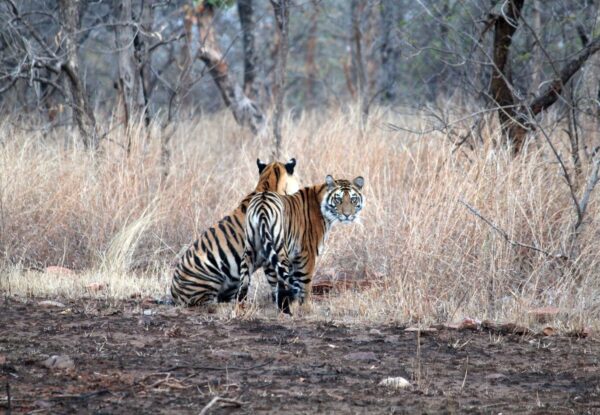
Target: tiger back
point(208, 271)
point(285, 234)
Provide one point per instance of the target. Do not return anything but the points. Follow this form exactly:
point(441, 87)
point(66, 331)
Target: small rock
point(59, 362)
point(375, 332)
point(137, 344)
point(549, 331)
point(50, 303)
point(469, 324)
point(362, 356)
point(395, 383)
point(148, 302)
point(149, 312)
point(42, 404)
point(392, 339)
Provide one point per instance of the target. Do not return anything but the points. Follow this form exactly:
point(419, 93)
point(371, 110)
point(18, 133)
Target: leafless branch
point(505, 235)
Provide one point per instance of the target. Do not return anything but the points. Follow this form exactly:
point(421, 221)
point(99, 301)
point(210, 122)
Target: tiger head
point(277, 177)
point(343, 199)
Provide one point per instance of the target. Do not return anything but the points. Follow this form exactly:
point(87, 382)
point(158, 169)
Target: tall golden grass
point(114, 220)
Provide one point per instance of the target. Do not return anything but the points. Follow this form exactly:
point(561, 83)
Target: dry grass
point(427, 257)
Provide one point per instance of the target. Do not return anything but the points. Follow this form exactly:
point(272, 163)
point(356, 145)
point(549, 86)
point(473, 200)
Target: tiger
point(208, 271)
point(285, 234)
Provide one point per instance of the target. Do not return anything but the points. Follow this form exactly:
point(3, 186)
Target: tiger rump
point(285, 234)
point(209, 270)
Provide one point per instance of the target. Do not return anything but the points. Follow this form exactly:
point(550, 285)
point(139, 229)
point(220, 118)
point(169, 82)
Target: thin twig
point(505, 235)
point(79, 396)
point(216, 399)
point(172, 368)
point(9, 404)
point(589, 188)
point(466, 371)
point(565, 172)
point(213, 401)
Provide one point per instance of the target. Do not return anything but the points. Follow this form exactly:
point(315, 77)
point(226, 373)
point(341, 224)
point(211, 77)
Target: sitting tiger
point(208, 271)
point(285, 234)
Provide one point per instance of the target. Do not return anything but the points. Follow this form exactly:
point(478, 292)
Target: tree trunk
point(500, 87)
point(282, 14)
point(310, 66)
point(390, 49)
point(246, 14)
point(514, 115)
point(130, 82)
point(537, 58)
point(82, 112)
point(142, 55)
point(590, 84)
point(358, 61)
point(244, 110)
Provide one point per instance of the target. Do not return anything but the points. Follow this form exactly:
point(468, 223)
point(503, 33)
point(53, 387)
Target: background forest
point(128, 127)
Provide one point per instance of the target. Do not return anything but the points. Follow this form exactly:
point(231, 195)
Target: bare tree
point(357, 9)
point(281, 8)
point(130, 82)
point(389, 49)
point(84, 117)
point(246, 14)
point(515, 113)
point(244, 110)
point(310, 66)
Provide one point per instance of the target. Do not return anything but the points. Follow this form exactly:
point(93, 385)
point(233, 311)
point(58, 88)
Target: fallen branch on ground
point(226, 401)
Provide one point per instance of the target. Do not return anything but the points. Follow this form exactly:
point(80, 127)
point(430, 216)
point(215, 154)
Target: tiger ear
point(261, 166)
point(330, 181)
point(289, 166)
point(359, 182)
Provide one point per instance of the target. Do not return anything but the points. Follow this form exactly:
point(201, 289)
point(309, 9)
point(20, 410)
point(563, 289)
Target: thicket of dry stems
point(427, 257)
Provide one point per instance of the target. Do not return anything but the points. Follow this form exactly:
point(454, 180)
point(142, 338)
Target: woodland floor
point(127, 357)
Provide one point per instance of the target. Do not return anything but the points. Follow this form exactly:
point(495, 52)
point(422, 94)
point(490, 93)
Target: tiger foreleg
point(301, 278)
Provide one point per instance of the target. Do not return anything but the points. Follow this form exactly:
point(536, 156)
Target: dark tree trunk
point(358, 61)
point(390, 49)
point(514, 115)
point(244, 110)
point(130, 82)
point(500, 87)
point(282, 14)
point(82, 112)
point(246, 13)
point(142, 55)
point(310, 65)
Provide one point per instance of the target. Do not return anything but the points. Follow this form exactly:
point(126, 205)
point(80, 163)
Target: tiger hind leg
point(281, 292)
point(245, 275)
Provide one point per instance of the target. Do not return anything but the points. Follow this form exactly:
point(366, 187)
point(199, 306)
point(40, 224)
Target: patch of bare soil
point(92, 356)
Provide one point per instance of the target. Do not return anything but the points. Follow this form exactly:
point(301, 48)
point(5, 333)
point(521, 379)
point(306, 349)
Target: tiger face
point(343, 200)
point(277, 177)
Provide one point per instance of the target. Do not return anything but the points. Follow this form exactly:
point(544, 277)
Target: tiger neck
point(315, 195)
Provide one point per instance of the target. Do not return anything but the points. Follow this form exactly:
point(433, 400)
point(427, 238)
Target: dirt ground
point(133, 358)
